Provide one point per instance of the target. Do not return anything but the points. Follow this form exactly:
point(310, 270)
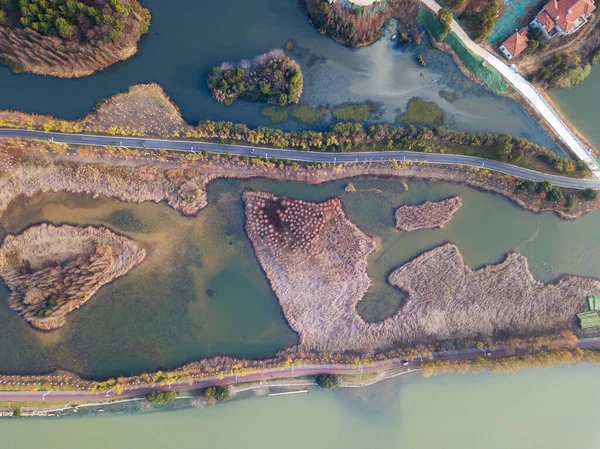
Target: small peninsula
point(271, 77)
point(69, 38)
point(52, 271)
point(431, 214)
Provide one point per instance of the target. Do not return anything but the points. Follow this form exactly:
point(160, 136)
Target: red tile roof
point(545, 19)
point(517, 42)
point(566, 12)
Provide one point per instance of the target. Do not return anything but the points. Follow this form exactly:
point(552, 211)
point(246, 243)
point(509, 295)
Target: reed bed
point(52, 271)
point(432, 214)
point(319, 292)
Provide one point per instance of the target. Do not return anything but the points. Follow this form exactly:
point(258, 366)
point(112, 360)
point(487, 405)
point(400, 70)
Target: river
point(551, 409)
point(201, 292)
point(194, 36)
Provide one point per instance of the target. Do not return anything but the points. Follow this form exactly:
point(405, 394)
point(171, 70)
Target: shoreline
point(181, 179)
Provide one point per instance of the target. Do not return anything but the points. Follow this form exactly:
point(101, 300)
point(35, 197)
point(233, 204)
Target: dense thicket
point(102, 20)
point(272, 77)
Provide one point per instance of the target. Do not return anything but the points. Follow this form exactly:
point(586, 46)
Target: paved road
point(265, 375)
point(528, 91)
point(297, 155)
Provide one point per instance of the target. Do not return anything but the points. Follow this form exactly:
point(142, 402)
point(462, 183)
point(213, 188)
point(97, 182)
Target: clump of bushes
point(220, 393)
point(483, 21)
point(445, 17)
point(353, 27)
point(564, 70)
point(327, 381)
point(272, 77)
point(71, 19)
point(161, 397)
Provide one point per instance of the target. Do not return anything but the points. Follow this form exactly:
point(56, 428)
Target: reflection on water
point(194, 36)
point(528, 410)
point(201, 291)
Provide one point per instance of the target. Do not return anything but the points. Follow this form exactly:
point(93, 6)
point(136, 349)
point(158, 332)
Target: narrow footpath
point(529, 92)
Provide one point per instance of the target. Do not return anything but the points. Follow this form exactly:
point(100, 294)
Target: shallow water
point(196, 35)
point(201, 291)
point(548, 409)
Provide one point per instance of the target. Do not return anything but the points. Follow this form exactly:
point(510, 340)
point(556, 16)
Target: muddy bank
point(52, 271)
point(320, 277)
point(432, 214)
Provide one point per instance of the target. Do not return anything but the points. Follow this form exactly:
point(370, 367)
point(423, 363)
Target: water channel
point(548, 409)
point(188, 38)
point(201, 292)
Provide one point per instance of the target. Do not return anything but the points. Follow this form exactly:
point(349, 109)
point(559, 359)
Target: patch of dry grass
point(432, 214)
point(53, 270)
point(319, 292)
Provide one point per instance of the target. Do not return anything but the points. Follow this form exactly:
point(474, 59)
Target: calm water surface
point(549, 409)
point(196, 35)
point(201, 291)
point(580, 105)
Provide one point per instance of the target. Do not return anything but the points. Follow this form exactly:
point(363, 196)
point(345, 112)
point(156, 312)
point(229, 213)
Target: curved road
point(288, 372)
point(298, 155)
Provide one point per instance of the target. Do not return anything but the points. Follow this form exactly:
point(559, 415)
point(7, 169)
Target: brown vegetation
point(184, 190)
point(319, 287)
point(92, 48)
point(432, 214)
point(512, 364)
point(446, 299)
point(360, 26)
point(53, 270)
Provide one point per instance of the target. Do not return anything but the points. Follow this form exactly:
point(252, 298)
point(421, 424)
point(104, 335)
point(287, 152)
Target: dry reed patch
point(145, 108)
point(449, 300)
point(53, 270)
point(311, 282)
point(319, 287)
point(432, 214)
point(184, 190)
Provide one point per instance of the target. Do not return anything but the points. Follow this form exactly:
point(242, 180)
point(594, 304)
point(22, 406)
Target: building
point(562, 17)
point(515, 44)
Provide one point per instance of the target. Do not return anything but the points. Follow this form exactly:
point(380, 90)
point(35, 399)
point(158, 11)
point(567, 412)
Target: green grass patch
point(421, 112)
point(305, 113)
point(477, 66)
point(472, 63)
point(277, 114)
point(356, 112)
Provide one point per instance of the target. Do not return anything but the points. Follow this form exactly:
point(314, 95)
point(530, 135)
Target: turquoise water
point(512, 19)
